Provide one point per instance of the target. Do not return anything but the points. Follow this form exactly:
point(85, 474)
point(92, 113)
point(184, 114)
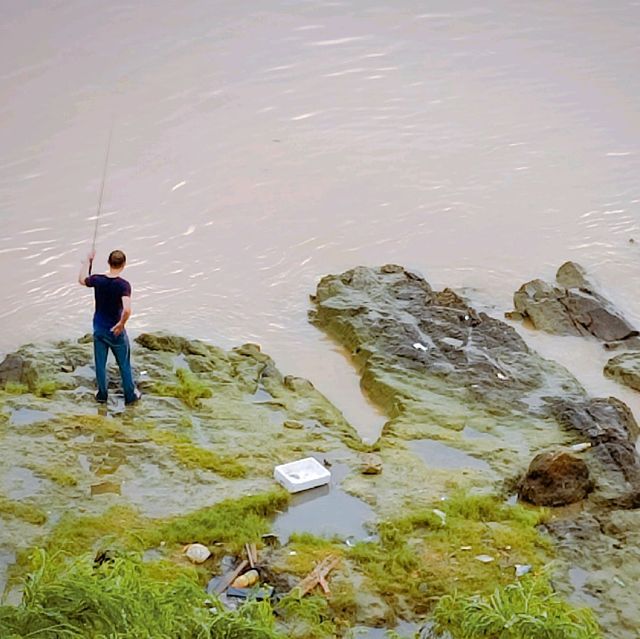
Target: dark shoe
point(101, 399)
point(136, 398)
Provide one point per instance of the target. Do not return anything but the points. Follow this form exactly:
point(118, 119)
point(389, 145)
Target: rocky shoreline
point(469, 405)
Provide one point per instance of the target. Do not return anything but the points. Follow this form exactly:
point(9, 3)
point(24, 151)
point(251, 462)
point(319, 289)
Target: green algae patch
point(188, 388)
point(46, 388)
point(231, 523)
point(77, 534)
point(24, 510)
point(123, 597)
point(16, 388)
point(57, 473)
point(468, 543)
point(528, 608)
point(193, 456)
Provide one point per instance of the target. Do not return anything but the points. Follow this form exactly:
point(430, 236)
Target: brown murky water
point(258, 146)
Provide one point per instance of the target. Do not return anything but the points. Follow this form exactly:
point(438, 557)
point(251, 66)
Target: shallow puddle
point(578, 578)
point(28, 416)
point(326, 511)
point(472, 433)
point(19, 483)
point(438, 455)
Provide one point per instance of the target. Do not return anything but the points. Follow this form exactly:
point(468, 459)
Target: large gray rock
point(18, 369)
point(573, 307)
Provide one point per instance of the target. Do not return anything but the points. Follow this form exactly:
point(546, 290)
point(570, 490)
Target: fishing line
point(104, 179)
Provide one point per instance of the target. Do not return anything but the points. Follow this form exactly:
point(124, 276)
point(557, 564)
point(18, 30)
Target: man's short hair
point(117, 259)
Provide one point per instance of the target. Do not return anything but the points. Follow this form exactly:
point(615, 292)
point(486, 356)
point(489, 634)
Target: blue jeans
point(103, 340)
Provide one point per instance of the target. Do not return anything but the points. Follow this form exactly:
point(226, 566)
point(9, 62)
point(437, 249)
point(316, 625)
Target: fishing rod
point(104, 179)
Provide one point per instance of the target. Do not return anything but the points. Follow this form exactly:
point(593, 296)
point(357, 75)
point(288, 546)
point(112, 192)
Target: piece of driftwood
point(252, 554)
point(318, 576)
point(229, 578)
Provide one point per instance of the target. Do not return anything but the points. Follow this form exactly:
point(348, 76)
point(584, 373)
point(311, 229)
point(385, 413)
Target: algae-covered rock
point(625, 368)
point(436, 365)
point(555, 478)
point(571, 308)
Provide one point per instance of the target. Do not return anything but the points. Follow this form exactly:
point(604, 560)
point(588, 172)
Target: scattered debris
point(292, 424)
point(485, 559)
point(246, 580)
point(220, 584)
point(441, 514)
point(522, 569)
point(578, 448)
point(302, 475)
point(318, 576)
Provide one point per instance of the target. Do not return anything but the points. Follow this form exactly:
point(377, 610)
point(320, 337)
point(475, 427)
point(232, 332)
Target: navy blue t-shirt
point(108, 292)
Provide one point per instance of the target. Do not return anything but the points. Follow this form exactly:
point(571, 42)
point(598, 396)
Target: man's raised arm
point(84, 268)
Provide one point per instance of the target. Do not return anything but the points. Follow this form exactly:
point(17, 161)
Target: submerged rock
point(625, 368)
point(371, 464)
point(573, 307)
point(555, 478)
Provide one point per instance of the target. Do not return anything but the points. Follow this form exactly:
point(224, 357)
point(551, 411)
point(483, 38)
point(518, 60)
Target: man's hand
point(84, 268)
point(117, 329)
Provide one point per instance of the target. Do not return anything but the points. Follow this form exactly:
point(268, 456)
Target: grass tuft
point(528, 608)
point(123, 597)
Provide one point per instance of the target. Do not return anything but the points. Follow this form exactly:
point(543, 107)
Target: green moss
point(120, 525)
point(231, 523)
point(425, 554)
point(193, 456)
point(46, 388)
point(16, 388)
point(24, 510)
point(189, 389)
point(102, 427)
point(58, 474)
point(528, 608)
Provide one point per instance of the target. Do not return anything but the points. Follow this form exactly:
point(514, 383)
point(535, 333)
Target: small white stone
point(197, 553)
point(485, 559)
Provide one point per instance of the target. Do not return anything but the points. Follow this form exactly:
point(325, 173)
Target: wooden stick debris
point(318, 576)
point(252, 554)
point(228, 579)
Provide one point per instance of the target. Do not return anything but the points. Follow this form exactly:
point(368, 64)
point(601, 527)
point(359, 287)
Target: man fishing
point(113, 308)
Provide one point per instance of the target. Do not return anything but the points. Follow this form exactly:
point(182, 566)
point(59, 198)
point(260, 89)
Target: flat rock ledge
point(570, 307)
point(436, 366)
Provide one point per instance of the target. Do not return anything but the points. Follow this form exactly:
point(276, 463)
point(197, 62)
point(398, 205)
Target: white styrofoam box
point(302, 474)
